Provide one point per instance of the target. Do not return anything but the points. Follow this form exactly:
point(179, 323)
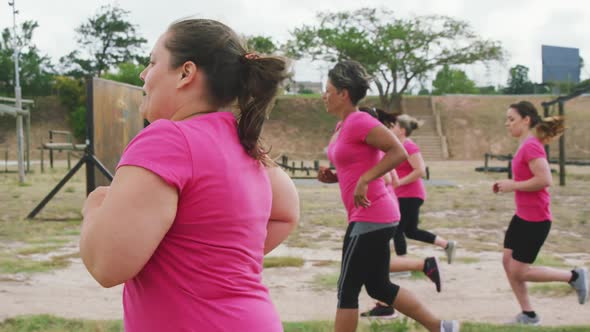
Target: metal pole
point(561, 151)
point(18, 101)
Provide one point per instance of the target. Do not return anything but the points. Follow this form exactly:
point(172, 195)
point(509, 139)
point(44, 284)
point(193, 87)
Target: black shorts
point(526, 238)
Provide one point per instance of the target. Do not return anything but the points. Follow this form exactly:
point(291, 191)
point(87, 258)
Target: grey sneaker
point(449, 326)
point(526, 320)
point(450, 251)
point(581, 284)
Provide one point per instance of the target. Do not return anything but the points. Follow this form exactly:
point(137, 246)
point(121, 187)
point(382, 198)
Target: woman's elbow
point(106, 277)
point(106, 274)
point(548, 182)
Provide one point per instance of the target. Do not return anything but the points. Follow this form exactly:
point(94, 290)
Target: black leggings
point(365, 261)
point(409, 209)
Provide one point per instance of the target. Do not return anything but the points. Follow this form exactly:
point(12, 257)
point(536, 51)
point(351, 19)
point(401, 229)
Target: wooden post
point(41, 149)
point(546, 114)
point(28, 140)
point(51, 150)
point(561, 151)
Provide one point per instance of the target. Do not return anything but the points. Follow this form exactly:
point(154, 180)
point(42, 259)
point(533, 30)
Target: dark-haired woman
point(185, 235)
point(363, 151)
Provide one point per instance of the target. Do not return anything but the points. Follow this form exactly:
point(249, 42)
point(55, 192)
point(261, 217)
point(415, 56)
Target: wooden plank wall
point(116, 121)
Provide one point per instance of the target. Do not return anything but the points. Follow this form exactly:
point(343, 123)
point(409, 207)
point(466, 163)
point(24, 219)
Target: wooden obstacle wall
point(116, 120)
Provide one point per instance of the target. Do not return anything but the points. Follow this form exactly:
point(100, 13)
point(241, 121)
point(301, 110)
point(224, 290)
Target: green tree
point(261, 44)
point(452, 81)
point(104, 40)
point(72, 95)
point(394, 50)
point(518, 82)
point(127, 72)
point(36, 70)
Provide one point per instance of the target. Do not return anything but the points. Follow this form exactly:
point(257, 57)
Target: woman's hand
point(326, 175)
point(360, 194)
point(505, 186)
point(95, 199)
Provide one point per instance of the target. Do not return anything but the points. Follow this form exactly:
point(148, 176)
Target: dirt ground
point(474, 288)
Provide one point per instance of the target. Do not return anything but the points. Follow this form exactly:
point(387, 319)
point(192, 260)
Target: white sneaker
point(581, 284)
point(523, 319)
point(450, 251)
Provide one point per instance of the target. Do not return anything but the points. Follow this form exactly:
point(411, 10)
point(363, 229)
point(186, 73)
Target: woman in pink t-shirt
point(363, 151)
point(531, 223)
point(410, 192)
point(195, 202)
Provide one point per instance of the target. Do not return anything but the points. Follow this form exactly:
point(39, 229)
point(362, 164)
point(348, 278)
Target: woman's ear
point(188, 73)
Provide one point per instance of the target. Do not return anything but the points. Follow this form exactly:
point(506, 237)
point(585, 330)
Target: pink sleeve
point(411, 148)
point(534, 151)
point(363, 123)
point(162, 149)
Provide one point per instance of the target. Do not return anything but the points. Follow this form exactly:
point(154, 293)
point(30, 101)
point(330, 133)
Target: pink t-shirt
point(413, 189)
point(530, 205)
point(352, 157)
point(206, 273)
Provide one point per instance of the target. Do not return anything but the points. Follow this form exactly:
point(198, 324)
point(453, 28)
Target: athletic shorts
point(526, 238)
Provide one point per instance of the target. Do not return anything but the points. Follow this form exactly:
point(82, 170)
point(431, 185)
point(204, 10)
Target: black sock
point(574, 276)
point(531, 314)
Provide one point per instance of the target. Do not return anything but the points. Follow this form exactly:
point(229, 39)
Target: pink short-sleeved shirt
point(530, 205)
point(352, 157)
point(413, 189)
point(206, 273)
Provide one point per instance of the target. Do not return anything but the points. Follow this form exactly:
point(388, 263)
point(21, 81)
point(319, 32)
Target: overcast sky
point(521, 25)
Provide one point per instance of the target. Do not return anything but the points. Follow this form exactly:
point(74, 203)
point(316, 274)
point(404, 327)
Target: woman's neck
point(525, 134)
point(346, 112)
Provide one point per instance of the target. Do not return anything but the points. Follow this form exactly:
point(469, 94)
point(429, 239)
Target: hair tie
point(251, 56)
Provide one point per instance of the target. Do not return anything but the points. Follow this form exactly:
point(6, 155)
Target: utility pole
point(18, 102)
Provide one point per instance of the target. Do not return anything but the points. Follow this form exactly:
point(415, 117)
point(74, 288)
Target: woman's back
point(206, 272)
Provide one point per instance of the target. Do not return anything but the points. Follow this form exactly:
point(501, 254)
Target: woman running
point(411, 193)
point(532, 221)
point(363, 150)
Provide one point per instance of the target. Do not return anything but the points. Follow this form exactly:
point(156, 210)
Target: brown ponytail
point(550, 128)
point(545, 129)
point(232, 74)
point(262, 77)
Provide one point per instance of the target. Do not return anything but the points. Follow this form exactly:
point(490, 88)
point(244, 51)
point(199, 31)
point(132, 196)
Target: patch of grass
point(552, 261)
point(37, 232)
point(70, 190)
point(416, 275)
point(326, 281)
point(283, 261)
point(43, 249)
point(326, 263)
point(11, 265)
point(552, 289)
point(477, 327)
point(49, 323)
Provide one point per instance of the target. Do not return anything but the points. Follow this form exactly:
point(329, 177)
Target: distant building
point(561, 64)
